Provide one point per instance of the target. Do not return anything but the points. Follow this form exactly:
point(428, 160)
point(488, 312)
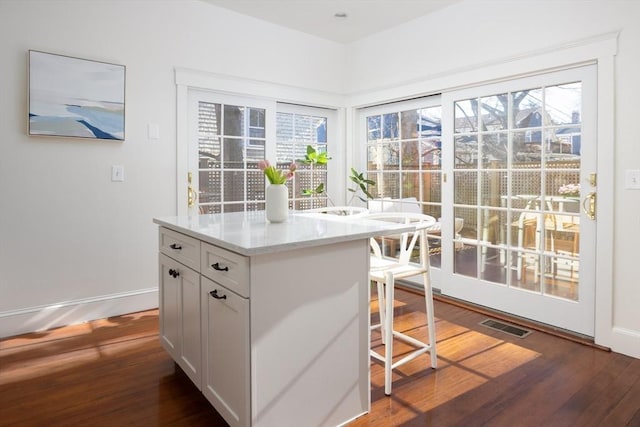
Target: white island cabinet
point(270, 321)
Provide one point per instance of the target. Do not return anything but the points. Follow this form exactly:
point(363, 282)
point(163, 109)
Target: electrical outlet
point(632, 179)
point(117, 173)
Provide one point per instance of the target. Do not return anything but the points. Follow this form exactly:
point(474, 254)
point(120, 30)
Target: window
point(231, 141)
point(403, 153)
point(294, 132)
point(516, 152)
point(234, 134)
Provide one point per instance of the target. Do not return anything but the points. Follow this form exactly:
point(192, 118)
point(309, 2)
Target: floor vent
point(506, 328)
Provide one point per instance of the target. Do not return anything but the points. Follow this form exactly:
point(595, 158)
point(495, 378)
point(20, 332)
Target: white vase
point(277, 201)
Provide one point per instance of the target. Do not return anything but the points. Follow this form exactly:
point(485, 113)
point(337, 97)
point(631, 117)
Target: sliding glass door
point(510, 168)
point(520, 166)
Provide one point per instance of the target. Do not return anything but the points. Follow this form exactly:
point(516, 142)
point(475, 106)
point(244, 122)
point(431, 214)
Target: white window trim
point(187, 79)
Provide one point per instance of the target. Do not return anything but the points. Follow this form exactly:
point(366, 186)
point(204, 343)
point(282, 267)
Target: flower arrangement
point(277, 176)
point(569, 190)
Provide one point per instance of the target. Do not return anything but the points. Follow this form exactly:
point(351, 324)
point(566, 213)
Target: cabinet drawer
point(180, 247)
point(227, 268)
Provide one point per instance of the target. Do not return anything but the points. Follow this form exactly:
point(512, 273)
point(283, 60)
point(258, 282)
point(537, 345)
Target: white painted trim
point(339, 151)
point(257, 88)
point(604, 329)
point(43, 317)
point(351, 152)
point(553, 58)
point(625, 341)
point(182, 141)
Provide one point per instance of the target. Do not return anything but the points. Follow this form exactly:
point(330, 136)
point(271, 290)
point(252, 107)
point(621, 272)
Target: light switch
point(117, 173)
point(153, 131)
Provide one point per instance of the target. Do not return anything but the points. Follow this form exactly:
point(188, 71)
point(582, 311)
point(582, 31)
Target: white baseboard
point(626, 341)
point(40, 318)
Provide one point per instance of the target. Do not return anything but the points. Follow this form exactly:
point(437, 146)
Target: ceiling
point(364, 17)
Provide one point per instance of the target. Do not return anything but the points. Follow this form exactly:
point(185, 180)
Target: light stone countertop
point(249, 233)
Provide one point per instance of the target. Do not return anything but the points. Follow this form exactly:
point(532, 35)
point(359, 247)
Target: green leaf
point(314, 157)
point(362, 182)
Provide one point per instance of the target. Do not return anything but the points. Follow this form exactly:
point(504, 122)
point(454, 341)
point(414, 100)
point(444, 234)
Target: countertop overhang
point(249, 233)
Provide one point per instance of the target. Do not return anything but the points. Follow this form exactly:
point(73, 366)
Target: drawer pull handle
point(173, 273)
point(216, 266)
point(214, 293)
point(175, 246)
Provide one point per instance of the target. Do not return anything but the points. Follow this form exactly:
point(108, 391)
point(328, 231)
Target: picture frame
point(74, 97)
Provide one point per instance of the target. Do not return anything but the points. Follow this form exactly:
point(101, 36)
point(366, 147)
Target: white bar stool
point(385, 271)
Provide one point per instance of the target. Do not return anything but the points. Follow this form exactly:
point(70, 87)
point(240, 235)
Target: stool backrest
point(407, 241)
point(341, 210)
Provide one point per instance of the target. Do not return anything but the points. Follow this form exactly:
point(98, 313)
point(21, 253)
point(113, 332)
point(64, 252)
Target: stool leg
point(431, 325)
point(381, 310)
point(388, 332)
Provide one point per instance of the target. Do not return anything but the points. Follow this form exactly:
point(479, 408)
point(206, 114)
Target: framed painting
point(73, 97)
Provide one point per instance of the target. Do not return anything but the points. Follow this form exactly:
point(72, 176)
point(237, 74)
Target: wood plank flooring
point(113, 372)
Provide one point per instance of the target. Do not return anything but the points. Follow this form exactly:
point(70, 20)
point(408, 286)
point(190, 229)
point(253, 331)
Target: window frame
point(395, 107)
point(332, 190)
point(271, 108)
point(188, 80)
point(224, 166)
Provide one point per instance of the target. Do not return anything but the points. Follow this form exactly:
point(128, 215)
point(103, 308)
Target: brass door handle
point(589, 205)
point(192, 195)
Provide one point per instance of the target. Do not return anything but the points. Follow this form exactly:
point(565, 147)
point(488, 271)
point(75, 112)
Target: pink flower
point(277, 176)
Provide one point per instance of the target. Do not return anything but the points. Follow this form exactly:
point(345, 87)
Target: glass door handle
point(589, 205)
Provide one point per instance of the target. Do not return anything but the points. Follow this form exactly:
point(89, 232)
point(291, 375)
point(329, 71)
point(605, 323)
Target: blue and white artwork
point(75, 97)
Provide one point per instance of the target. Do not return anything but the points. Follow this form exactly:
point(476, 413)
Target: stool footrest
point(422, 349)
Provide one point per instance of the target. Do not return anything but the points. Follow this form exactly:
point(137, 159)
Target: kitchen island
point(270, 320)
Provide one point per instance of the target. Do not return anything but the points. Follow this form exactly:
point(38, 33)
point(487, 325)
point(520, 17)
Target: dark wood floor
point(113, 372)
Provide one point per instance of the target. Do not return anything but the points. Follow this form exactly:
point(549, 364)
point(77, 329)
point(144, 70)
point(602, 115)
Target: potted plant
point(314, 157)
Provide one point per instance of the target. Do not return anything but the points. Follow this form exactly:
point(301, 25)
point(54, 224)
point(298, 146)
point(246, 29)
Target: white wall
point(73, 244)
point(474, 34)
